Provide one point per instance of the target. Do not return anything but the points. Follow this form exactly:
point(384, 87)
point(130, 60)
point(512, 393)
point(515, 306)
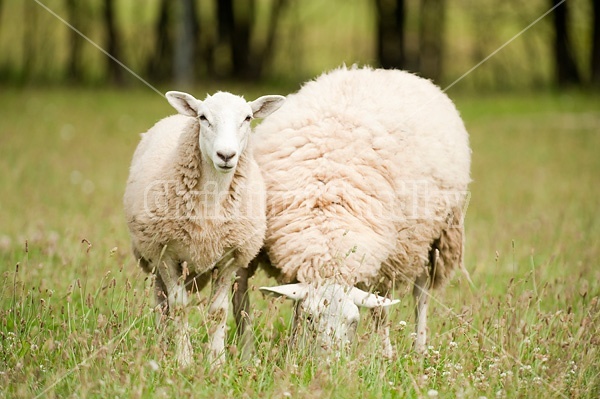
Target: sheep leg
point(218, 310)
point(241, 310)
point(421, 303)
point(162, 304)
point(169, 279)
point(421, 296)
point(380, 318)
point(296, 325)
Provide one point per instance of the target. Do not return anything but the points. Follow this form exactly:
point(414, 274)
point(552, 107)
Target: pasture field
point(76, 316)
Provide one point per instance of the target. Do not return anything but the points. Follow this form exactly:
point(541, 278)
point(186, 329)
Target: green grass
point(76, 314)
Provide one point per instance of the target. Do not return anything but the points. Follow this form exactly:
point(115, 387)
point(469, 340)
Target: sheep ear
point(266, 105)
point(368, 300)
point(295, 292)
point(184, 103)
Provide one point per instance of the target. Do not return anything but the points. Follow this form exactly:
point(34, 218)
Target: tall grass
point(77, 318)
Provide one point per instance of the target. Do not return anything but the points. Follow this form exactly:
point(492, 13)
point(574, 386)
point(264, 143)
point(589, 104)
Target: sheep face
point(224, 123)
point(328, 313)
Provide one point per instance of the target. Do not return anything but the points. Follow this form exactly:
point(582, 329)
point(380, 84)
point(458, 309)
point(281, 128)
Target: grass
point(38, 51)
point(76, 314)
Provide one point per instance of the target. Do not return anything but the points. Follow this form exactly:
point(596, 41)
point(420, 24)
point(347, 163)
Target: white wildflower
point(153, 365)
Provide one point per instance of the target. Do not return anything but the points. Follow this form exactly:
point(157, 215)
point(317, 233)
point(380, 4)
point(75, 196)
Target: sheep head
point(329, 312)
point(224, 123)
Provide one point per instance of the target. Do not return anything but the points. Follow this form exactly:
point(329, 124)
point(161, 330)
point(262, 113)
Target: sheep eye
point(203, 118)
point(248, 118)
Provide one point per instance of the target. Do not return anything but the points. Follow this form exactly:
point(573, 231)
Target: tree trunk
point(28, 40)
point(264, 58)
point(431, 47)
point(1, 8)
point(595, 55)
point(564, 62)
point(185, 42)
point(225, 20)
point(391, 16)
point(225, 23)
point(240, 40)
point(74, 70)
point(160, 64)
point(235, 20)
point(114, 71)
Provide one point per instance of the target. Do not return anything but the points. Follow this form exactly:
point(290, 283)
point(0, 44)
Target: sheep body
point(195, 204)
point(366, 174)
point(165, 205)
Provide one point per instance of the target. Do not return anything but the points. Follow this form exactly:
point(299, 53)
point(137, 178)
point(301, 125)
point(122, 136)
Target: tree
point(185, 42)
point(1, 7)
point(391, 51)
point(236, 20)
point(160, 62)
point(74, 68)
point(564, 61)
point(431, 35)
point(595, 54)
point(264, 56)
point(29, 53)
point(114, 72)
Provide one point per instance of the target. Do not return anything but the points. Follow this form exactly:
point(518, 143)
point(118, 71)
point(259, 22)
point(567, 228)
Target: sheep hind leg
point(170, 280)
point(421, 296)
point(241, 310)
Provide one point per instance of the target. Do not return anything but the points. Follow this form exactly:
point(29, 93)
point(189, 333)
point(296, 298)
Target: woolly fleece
point(165, 206)
point(366, 171)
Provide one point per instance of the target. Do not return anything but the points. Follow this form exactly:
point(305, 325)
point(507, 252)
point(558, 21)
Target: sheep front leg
point(218, 310)
point(380, 318)
point(421, 296)
point(241, 310)
point(169, 279)
point(421, 303)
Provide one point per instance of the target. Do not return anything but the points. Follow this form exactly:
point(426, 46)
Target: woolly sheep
point(366, 174)
point(195, 205)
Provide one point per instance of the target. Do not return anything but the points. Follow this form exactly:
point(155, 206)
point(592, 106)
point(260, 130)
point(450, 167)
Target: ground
point(76, 314)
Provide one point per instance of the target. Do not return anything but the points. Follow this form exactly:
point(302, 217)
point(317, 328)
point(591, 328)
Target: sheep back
point(366, 171)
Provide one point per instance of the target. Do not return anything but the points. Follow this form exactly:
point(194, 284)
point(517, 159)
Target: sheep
point(195, 205)
point(366, 173)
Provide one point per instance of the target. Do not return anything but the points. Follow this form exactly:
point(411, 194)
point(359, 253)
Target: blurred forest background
point(195, 41)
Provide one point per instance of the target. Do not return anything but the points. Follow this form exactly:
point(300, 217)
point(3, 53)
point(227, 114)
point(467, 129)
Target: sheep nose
point(226, 156)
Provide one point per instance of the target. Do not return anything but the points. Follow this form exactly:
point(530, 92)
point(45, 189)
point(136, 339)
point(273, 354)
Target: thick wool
point(165, 206)
point(366, 172)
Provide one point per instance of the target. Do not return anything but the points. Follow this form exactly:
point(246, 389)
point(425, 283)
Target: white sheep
point(195, 205)
point(366, 174)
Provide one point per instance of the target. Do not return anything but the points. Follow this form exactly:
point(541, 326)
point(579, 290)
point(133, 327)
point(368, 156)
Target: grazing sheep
point(366, 174)
point(195, 205)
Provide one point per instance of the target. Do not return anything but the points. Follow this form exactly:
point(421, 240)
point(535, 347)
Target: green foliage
point(312, 36)
point(76, 313)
